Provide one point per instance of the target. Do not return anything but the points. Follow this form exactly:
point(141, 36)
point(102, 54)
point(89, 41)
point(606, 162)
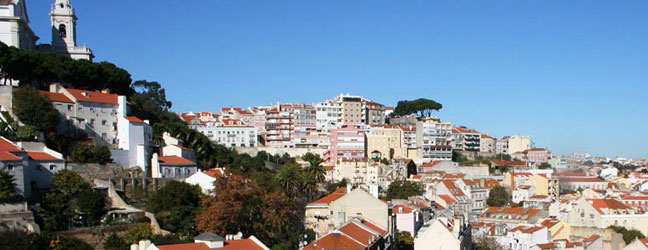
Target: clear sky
point(573, 75)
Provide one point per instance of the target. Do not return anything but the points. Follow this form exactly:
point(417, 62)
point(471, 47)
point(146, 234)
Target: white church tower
point(64, 32)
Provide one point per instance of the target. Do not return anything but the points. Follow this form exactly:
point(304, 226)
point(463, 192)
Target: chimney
point(54, 87)
point(349, 187)
point(105, 91)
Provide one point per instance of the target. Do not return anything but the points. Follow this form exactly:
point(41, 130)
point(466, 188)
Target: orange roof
point(644, 242)
point(56, 97)
point(491, 183)
point(486, 136)
point(448, 200)
point(334, 241)
point(594, 238)
point(524, 213)
point(526, 229)
point(548, 223)
point(41, 156)
point(609, 204)
point(406, 210)
point(584, 179)
point(7, 156)
point(175, 160)
point(185, 246)
point(7, 145)
point(243, 244)
point(373, 227)
point(358, 233)
point(547, 246)
point(214, 172)
point(337, 194)
point(509, 163)
point(134, 119)
point(453, 188)
point(430, 164)
point(93, 96)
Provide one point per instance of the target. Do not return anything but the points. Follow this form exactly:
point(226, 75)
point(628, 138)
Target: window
point(10, 167)
point(62, 31)
point(92, 121)
point(103, 122)
point(52, 167)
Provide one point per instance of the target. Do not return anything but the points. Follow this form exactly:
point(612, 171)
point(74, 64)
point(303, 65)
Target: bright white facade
point(14, 25)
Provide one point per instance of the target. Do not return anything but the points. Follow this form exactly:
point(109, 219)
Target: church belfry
point(63, 24)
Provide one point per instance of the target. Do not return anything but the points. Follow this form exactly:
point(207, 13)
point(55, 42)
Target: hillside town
point(90, 159)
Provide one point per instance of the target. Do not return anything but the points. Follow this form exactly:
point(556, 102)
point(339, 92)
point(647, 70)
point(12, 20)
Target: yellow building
point(558, 229)
point(602, 213)
point(385, 141)
point(544, 186)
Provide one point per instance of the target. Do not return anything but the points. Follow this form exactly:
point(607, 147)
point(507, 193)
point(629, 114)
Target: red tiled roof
point(334, 241)
point(509, 163)
point(584, 179)
point(453, 188)
point(609, 204)
point(547, 246)
point(175, 160)
point(42, 156)
point(526, 229)
point(539, 197)
point(406, 210)
point(134, 119)
point(93, 96)
point(7, 156)
point(56, 97)
point(373, 227)
point(337, 194)
point(7, 145)
point(185, 246)
point(644, 242)
point(592, 238)
point(214, 172)
point(358, 233)
point(548, 223)
point(509, 211)
point(430, 164)
point(486, 136)
point(243, 244)
point(449, 200)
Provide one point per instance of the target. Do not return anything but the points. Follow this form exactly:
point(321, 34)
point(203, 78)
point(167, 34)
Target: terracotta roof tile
point(7, 156)
point(175, 160)
point(334, 241)
point(93, 96)
point(9, 146)
point(134, 119)
point(337, 194)
point(42, 156)
point(56, 97)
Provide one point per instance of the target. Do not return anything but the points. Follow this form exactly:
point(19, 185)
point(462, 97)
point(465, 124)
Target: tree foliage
point(403, 189)
point(421, 107)
point(137, 232)
point(35, 110)
point(241, 206)
point(486, 243)
point(114, 242)
point(8, 189)
point(18, 239)
point(404, 241)
point(92, 204)
point(628, 235)
point(71, 193)
point(498, 197)
point(175, 205)
point(544, 165)
point(42, 68)
point(87, 153)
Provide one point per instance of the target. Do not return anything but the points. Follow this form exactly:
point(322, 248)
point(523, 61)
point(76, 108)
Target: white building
point(177, 161)
point(14, 25)
point(524, 237)
point(63, 21)
point(205, 179)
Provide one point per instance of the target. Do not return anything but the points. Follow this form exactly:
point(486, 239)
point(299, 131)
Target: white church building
point(15, 30)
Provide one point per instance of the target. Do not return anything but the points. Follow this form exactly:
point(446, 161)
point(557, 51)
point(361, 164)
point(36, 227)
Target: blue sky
point(571, 74)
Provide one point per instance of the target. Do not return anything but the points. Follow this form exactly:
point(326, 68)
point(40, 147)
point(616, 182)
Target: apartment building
point(347, 142)
point(177, 161)
point(305, 134)
point(487, 144)
point(385, 141)
point(466, 139)
point(280, 127)
point(353, 111)
point(602, 213)
point(375, 113)
point(518, 143)
point(433, 140)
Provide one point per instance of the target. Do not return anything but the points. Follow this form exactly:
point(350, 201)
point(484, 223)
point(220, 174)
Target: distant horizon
point(571, 75)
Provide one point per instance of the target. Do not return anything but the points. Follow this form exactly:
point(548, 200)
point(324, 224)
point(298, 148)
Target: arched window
point(62, 31)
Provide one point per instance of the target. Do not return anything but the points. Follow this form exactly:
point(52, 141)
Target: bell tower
point(63, 24)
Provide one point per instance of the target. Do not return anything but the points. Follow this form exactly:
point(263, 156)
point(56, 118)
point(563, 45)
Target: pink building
point(536, 156)
point(347, 142)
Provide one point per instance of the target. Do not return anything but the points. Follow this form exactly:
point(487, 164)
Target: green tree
point(484, 242)
point(59, 204)
point(114, 242)
point(422, 107)
point(544, 165)
point(84, 153)
point(92, 204)
point(102, 155)
point(403, 189)
point(404, 241)
point(137, 232)
point(69, 182)
point(35, 110)
point(8, 189)
point(498, 197)
point(290, 179)
point(18, 239)
point(628, 235)
point(175, 205)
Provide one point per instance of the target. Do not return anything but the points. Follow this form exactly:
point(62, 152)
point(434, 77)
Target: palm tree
point(316, 172)
point(309, 185)
point(290, 179)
